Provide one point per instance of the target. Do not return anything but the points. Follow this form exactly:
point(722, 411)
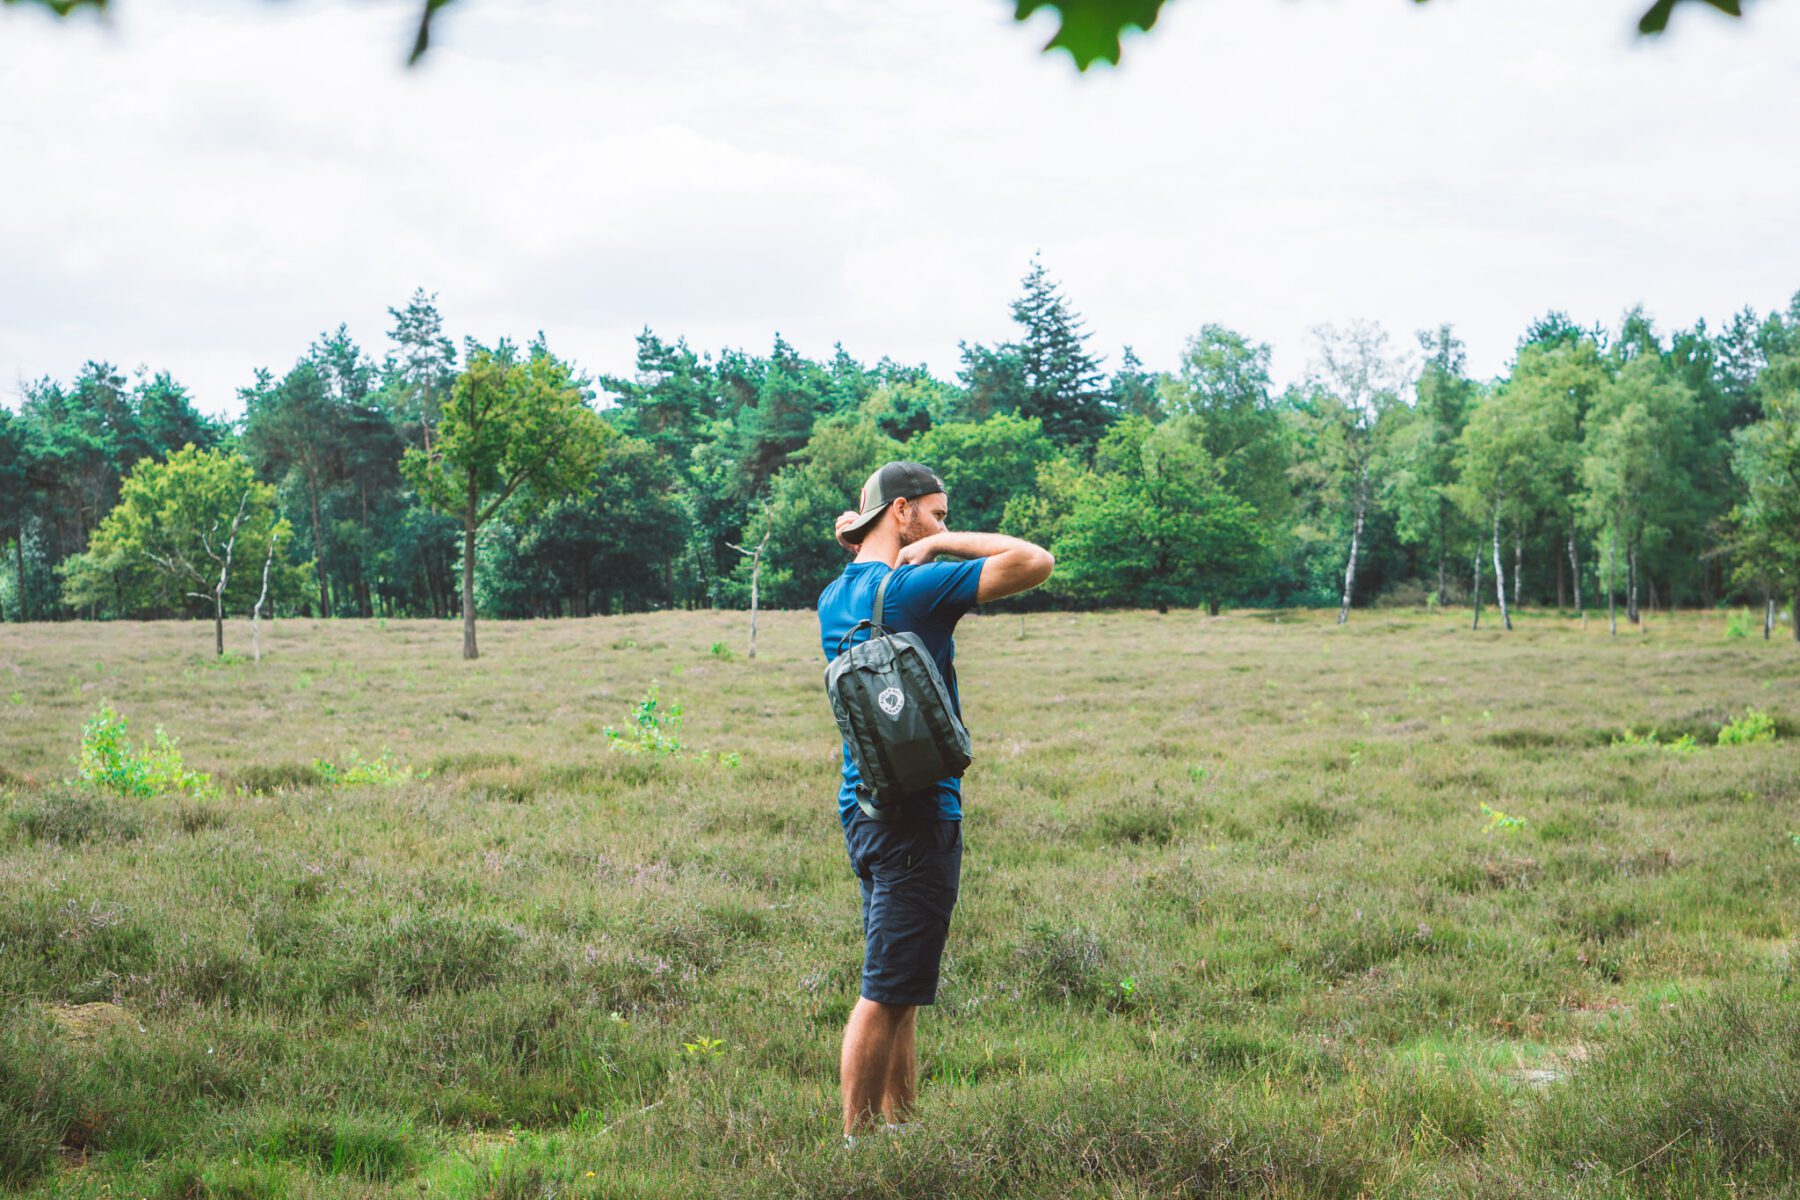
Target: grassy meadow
point(1252, 906)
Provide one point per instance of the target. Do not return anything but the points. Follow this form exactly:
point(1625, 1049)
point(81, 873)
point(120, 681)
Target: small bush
point(382, 772)
point(721, 651)
point(1748, 730)
point(108, 762)
point(1065, 963)
point(654, 729)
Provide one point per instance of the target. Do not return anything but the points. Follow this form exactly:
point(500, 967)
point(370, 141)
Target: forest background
point(1606, 467)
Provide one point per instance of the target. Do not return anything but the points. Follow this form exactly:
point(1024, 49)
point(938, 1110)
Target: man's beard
point(914, 530)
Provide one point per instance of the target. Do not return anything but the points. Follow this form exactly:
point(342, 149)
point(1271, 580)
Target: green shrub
point(1753, 727)
point(654, 729)
point(108, 762)
point(383, 771)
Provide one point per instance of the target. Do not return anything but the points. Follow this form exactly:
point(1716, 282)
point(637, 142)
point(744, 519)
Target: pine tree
point(1062, 381)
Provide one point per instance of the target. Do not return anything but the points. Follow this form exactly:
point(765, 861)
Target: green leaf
point(1090, 28)
point(63, 8)
point(1657, 19)
point(423, 41)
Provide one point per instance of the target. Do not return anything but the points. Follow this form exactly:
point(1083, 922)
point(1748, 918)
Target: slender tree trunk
point(1500, 574)
point(1443, 550)
point(19, 571)
point(468, 577)
point(256, 613)
point(755, 572)
point(1475, 592)
point(1562, 584)
point(755, 557)
point(1631, 597)
point(1768, 616)
point(1612, 612)
point(1518, 562)
point(1575, 569)
point(1362, 502)
point(1796, 614)
point(219, 625)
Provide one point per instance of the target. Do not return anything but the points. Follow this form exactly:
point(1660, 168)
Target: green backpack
point(895, 714)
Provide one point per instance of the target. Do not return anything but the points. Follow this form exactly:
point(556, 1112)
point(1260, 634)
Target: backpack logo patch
point(892, 700)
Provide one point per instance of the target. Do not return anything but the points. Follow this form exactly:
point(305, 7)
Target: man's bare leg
point(902, 1073)
point(869, 1057)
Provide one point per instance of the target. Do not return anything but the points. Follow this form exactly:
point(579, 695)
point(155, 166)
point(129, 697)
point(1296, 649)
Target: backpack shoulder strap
point(881, 597)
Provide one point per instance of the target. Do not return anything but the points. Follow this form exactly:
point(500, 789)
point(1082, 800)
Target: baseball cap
point(893, 481)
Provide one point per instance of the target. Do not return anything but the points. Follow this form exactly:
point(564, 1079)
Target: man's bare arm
point(1013, 564)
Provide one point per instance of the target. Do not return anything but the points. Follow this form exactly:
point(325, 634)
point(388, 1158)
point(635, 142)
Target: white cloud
point(204, 187)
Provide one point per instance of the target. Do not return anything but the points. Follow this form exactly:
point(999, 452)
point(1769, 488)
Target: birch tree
point(1422, 478)
point(1498, 453)
point(1356, 383)
point(183, 530)
point(1766, 523)
point(1637, 479)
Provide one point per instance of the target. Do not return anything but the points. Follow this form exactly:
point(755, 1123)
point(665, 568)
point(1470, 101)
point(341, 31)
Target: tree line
point(1616, 469)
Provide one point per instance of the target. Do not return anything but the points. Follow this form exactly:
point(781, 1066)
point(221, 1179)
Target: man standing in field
point(910, 868)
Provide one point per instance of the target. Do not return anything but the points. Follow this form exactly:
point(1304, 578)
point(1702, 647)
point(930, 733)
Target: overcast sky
point(204, 187)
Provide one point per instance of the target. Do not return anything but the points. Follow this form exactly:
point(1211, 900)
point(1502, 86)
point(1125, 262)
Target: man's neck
point(882, 550)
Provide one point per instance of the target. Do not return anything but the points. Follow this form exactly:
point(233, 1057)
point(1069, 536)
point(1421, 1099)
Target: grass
point(1252, 906)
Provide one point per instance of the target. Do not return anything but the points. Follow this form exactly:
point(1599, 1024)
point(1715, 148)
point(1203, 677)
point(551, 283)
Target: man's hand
point(921, 551)
point(845, 519)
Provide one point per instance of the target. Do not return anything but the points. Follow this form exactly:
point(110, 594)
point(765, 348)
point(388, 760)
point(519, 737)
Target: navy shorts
point(910, 871)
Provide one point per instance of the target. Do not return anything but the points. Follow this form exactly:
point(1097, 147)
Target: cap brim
point(855, 533)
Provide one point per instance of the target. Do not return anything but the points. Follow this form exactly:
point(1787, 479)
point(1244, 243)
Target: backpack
point(895, 714)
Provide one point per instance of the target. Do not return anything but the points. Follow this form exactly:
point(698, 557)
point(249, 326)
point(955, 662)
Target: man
point(910, 868)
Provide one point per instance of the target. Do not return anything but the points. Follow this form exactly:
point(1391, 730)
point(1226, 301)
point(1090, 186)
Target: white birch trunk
point(1631, 603)
point(1518, 563)
point(1500, 574)
point(1475, 592)
point(1612, 610)
point(1768, 616)
point(755, 557)
point(1362, 500)
point(256, 613)
point(1575, 569)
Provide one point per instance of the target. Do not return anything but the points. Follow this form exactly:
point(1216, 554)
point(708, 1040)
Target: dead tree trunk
point(1768, 616)
point(256, 613)
point(1362, 503)
point(755, 557)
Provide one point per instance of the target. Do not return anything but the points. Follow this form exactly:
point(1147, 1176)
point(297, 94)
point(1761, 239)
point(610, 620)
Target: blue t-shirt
point(926, 599)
